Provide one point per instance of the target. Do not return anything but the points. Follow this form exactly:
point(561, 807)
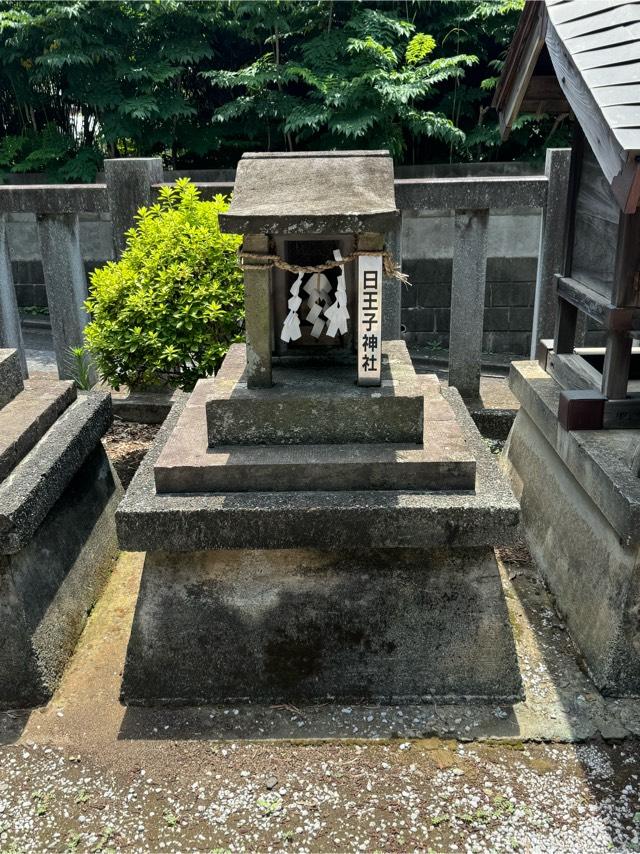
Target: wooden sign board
point(369, 319)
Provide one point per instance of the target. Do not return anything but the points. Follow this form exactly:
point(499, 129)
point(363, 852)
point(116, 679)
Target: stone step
point(315, 403)
point(26, 418)
point(441, 464)
point(11, 382)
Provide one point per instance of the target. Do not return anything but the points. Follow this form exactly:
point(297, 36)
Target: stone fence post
point(468, 285)
point(129, 181)
point(66, 284)
point(10, 331)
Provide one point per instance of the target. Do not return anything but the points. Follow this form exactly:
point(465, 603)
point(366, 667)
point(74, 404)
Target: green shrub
point(166, 313)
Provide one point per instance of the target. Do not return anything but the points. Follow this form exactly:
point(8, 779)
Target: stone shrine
point(318, 518)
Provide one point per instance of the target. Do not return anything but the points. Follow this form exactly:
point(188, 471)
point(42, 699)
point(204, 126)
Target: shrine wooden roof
point(582, 55)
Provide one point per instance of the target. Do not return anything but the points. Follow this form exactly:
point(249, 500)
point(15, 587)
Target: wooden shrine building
point(583, 57)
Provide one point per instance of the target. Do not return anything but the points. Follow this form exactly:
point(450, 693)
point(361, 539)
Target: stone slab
point(187, 464)
point(291, 626)
point(48, 588)
point(150, 521)
point(36, 483)
point(600, 460)
point(11, 382)
point(317, 192)
point(25, 419)
point(315, 403)
point(593, 576)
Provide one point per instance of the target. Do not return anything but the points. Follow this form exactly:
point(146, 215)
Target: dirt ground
point(557, 772)
point(126, 443)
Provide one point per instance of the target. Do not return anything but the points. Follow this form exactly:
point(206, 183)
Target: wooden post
point(66, 284)
point(553, 234)
point(564, 335)
point(10, 331)
point(467, 300)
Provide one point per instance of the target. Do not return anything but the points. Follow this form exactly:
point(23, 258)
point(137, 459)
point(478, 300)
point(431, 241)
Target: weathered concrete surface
point(26, 418)
point(36, 483)
point(10, 329)
point(128, 187)
point(66, 283)
point(48, 588)
point(330, 192)
point(11, 382)
point(258, 312)
point(311, 403)
point(310, 625)
point(600, 460)
point(592, 573)
point(148, 521)
point(443, 462)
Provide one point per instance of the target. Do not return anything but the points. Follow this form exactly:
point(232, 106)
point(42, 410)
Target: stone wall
point(511, 277)
point(427, 251)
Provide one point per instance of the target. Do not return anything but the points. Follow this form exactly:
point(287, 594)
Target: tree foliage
point(200, 82)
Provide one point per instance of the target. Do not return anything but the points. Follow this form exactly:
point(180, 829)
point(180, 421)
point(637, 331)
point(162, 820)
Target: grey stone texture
point(49, 586)
point(10, 330)
point(28, 494)
point(600, 460)
point(149, 521)
point(295, 625)
point(66, 285)
point(290, 451)
point(467, 300)
point(331, 192)
point(580, 501)
point(315, 402)
point(26, 418)
point(258, 312)
point(11, 382)
point(128, 187)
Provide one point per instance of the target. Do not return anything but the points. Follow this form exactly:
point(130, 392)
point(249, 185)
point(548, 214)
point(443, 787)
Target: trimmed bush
point(167, 311)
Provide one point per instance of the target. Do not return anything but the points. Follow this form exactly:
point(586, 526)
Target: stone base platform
point(57, 529)
point(306, 625)
point(312, 402)
point(580, 498)
point(378, 594)
point(316, 430)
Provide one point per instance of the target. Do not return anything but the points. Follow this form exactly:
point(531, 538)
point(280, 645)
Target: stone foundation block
point(579, 504)
point(48, 587)
point(305, 625)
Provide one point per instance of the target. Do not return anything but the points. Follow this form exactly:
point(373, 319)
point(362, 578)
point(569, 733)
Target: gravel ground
point(405, 796)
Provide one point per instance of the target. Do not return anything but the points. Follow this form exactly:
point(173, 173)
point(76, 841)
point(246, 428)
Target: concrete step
point(294, 468)
point(28, 416)
point(311, 402)
point(11, 382)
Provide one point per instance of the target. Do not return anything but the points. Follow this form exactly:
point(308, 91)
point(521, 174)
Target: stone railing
point(131, 183)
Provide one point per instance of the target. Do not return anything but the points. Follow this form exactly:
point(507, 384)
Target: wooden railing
point(131, 183)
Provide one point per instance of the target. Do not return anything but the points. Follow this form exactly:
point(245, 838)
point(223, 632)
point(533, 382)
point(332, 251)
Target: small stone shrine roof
point(315, 192)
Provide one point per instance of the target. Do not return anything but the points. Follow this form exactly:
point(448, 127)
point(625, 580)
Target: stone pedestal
point(58, 497)
point(580, 498)
point(302, 625)
point(366, 590)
